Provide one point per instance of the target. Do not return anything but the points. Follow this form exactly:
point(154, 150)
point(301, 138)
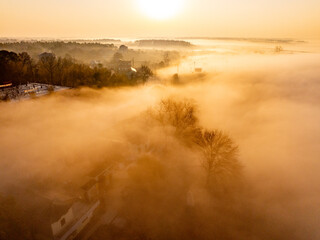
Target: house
point(124, 66)
point(74, 220)
point(103, 175)
point(62, 219)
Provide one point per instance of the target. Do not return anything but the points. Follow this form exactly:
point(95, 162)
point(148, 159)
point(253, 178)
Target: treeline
point(87, 51)
point(84, 51)
point(103, 40)
point(162, 43)
point(20, 68)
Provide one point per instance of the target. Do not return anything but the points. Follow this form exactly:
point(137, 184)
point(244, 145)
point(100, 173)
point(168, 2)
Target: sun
point(160, 9)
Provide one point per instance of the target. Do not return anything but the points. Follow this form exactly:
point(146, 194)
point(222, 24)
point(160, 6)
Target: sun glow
point(160, 9)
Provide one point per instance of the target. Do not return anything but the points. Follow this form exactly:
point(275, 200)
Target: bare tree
point(181, 115)
point(220, 156)
point(24, 67)
point(48, 61)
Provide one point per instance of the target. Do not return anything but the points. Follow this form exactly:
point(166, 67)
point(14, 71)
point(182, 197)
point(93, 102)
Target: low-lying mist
point(269, 108)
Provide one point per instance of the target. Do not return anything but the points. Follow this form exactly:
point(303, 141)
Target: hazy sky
point(126, 18)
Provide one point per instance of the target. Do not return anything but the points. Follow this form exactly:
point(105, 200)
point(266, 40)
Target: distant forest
point(79, 51)
point(163, 43)
point(20, 68)
point(73, 64)
point(99, 50)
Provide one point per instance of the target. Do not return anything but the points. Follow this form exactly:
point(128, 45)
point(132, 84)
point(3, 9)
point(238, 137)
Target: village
point(9, 90)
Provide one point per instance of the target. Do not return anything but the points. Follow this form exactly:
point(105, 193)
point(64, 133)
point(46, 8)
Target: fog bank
point(269, 105)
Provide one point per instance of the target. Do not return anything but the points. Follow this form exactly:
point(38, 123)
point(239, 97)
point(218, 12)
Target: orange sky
point(124, 18)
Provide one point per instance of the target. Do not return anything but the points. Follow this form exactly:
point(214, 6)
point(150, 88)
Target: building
point(124, 66)
point(65, 219)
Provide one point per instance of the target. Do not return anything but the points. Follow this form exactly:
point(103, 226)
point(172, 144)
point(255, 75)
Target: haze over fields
point(267, 102)
point(151, 120)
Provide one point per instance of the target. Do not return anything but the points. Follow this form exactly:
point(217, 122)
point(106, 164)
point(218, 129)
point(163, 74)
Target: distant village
point(11, 91)
point(27, 73)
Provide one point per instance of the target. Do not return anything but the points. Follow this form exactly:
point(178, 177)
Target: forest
point(63, 71)
point(73, 64)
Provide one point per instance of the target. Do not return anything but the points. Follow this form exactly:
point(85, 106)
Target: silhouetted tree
point(24, 67)
point(181, 115)
point(220, 160)
point(175, 79)
point(48, 62)
point(144, 73)
point(8, 67)
point(117, 56)
point(123, 48)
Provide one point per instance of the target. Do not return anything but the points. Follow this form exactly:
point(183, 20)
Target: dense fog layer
point(268, 104)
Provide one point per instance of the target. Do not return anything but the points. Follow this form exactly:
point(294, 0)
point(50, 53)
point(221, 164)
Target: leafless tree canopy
point(219, 155)
point(181, 115)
